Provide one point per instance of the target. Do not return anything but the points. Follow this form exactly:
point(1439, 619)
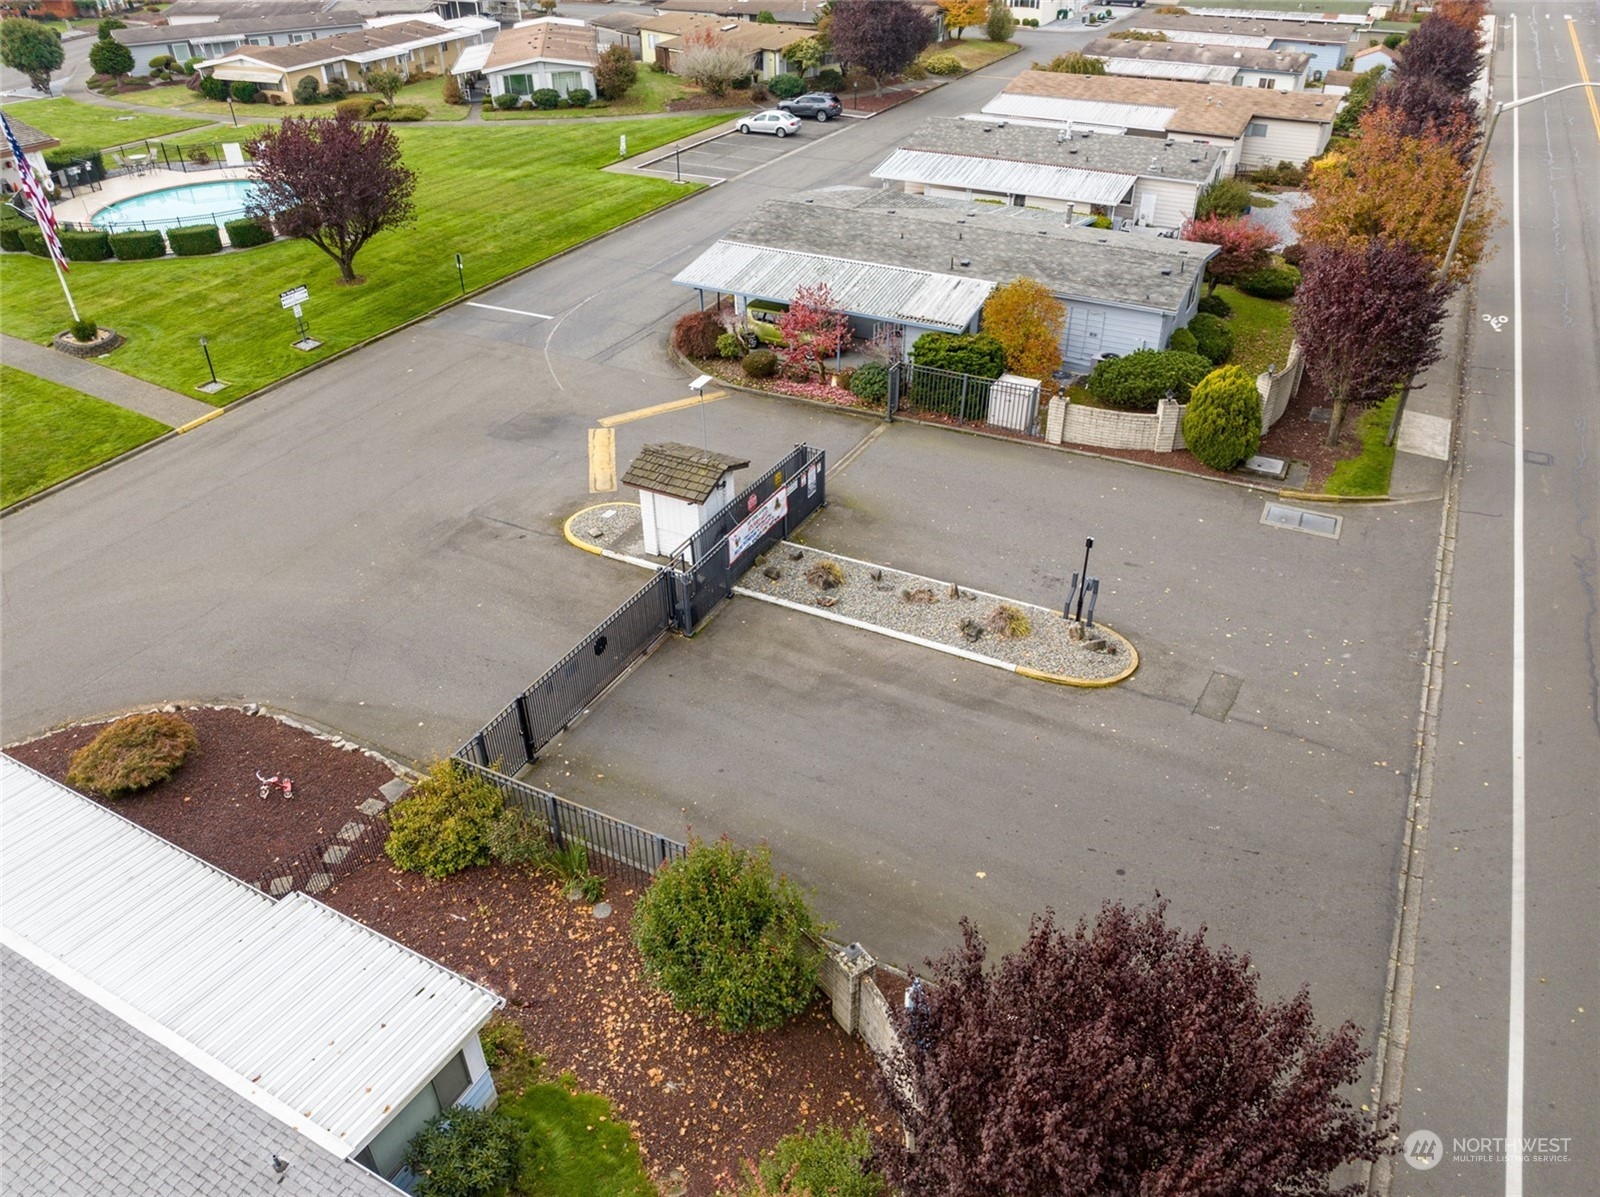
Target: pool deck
point(81, 208)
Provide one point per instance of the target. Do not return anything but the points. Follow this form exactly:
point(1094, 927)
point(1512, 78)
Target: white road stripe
point(1516, 1014)
point(514, 311)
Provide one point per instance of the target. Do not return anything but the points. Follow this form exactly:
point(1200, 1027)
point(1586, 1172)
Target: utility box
point(1014, 403)
point(680, 488)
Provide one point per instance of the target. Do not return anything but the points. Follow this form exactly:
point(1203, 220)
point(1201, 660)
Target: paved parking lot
point(731, 154)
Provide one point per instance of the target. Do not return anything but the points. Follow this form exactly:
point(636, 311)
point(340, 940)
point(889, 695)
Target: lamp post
point(698, 386)
point(205, 348)
point(1466, 204)
point(1088, 543)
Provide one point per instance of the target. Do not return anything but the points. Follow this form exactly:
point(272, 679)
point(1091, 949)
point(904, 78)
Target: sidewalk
point(1422, 448)
point(103, 382)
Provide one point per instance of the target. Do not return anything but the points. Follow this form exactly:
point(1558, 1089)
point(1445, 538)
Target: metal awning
point(472, 59)
point(1004, 177)
point(244, 74)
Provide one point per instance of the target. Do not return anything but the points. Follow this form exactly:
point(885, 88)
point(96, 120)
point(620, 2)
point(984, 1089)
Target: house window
point(453, 1080)
point(1256, 129)
point(565, 81)
point(1270, 83)
point(517, 85)
point(387, 1152)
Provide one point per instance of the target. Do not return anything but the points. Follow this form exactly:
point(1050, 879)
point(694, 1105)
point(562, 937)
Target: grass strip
point(1261, 331)
point(49, 432)
point(1368, 474)
point(574, 1146)
point(78, 125)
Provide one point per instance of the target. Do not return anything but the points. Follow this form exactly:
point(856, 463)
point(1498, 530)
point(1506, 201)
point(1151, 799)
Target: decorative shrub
point(359, 107)
point(1141, 380)
point(965, 353)
point(194, 240)
point(1285, 174)
point(450, 91)
point(33, 240)
point(1215, 305)
point(242, 234)
point(615, 73)
point(1272, 282)
point(826, 1160)
point(695, 334)
point(213, 88)
point(90, 245)
point(828, 79)
point(133, 753)
point(760, 363)
point(1100, 222)
point(579, 97)
point(545, 97)
point(871, 382)
point(942, 64)
point(506, 101)
point(138, 246)
point(730, 347)
point(916, 72)
point(1222, 424)
point(65, 156)
point(727, 938)
point(400, 112)
point(1182, 341)
point(244, 91)
point(337, 89)
point(1294, 254)
point(463, 1152)
point(1009, 622)
point(11, 236)
point(1213, 336)
point(826, 575)
point(163, 62)
point(786, 87)
point(1225, 197)
point(442, 826)
point(518, 838)
point(84, 331)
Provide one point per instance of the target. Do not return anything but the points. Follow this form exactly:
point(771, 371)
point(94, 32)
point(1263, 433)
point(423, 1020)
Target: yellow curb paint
point(660, 409)
point(1098, 683)
point(573, 538)
point(1307, 496)
point(196, 423)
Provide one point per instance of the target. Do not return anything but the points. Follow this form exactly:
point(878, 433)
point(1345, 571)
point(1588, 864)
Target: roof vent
point(966, 261)
point(1166, 270)
point(889, 211)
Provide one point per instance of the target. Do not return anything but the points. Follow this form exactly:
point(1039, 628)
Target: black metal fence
point(329, 859)
point(964, 398)
point(613, 846)
point(514, 737)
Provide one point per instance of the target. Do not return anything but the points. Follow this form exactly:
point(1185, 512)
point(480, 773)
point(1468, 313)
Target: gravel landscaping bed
point(938, 611)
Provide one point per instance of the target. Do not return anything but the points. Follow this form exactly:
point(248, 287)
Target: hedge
point(942, 64)
point(242, 234)
point(138, 245)
point(33, 241)
point(1271, 282)
point(65, 156)
point(545, 97)
point(11, 236)
point(978, 354)
point(360, 107)
point(1222, 424)
point(1214, 336)
point(90, 245)
point(1214, 305)
point(194, 240)
point(786, 87)
point(400, 112)
point(1139, 381)
point(871, 382)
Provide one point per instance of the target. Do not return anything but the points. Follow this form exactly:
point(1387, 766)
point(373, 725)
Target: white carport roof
point(869, 289)
point(1193, 72)
point(1098, 115)
point(244, 74)
point(1003, 176)
point(320, 1021)
point(472, 59)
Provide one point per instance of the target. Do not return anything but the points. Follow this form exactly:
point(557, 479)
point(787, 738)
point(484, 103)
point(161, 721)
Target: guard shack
point(680, 488)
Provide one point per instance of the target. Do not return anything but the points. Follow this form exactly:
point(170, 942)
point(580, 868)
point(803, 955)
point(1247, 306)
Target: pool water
point(197, 203)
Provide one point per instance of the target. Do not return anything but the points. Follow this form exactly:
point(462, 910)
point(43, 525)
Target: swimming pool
point(173, 207)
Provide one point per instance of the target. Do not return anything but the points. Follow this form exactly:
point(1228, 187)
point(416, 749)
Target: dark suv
point(823, 105)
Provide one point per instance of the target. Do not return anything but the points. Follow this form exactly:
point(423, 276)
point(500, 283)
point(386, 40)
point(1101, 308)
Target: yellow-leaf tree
point(1394, 187)
point(959, 15)
point(1028, 321)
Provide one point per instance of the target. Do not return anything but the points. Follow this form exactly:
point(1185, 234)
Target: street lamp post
point(1083, 589)
point(205, 348)
point(1466, 204)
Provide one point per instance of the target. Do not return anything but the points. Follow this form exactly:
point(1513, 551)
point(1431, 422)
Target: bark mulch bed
point(701, 1102)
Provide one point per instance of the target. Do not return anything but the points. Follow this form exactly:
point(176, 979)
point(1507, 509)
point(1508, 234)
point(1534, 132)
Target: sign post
point(292, 299)
point(461, 274)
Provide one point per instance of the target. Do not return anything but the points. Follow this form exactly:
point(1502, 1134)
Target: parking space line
point(658, 409)
point(514, 311)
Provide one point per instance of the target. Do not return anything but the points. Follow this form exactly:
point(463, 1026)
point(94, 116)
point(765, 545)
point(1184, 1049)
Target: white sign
point(758, 524)
point(297, 311)
point(292, 297)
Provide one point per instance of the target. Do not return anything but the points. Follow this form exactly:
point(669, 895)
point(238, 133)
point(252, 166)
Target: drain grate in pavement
point(1534, 457)
point(1217, 699)
point(1296, 520)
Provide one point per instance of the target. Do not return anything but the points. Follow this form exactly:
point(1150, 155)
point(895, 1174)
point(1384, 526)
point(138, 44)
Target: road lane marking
point(1583, 70)
point(643, 413)
point(1516, 1015)
point(514, 311)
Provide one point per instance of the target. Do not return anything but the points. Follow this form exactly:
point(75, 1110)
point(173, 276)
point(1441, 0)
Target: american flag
point(34, 190)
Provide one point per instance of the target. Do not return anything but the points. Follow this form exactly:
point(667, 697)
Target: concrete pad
point(280, 886)
point(393, 790)
point(373, 806)
point(352, 831)
point(318, 882)
point(1424, 435)
point(335, 854)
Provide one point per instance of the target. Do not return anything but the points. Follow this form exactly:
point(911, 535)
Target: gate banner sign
point(758, 525)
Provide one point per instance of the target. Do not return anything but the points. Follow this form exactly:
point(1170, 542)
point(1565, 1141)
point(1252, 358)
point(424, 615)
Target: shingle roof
point(1032, 143)
point(1292, 62)
point(1194, 107)
point(293, 22)
point(681, 471)
point(364, 42)
point(543, 42)
point(786, 11)
point(89, 1105)
point(1285, 29)
point(983, 245)
point(27, 137)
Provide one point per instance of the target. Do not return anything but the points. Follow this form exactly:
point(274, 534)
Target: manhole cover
point(1315, 523)
point(1267, 467)
point(1322, 415)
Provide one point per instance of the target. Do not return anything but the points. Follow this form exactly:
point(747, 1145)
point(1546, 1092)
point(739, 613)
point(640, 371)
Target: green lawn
point(575, 1148)
point(651, 92)
point(91, 125)
point(430, 95)
point(503, 198)
point(1261, 332)
point(1368, 474)
point(49, 432)
point(975, 53)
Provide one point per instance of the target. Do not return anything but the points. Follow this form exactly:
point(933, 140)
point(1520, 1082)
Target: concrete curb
point(578, 542)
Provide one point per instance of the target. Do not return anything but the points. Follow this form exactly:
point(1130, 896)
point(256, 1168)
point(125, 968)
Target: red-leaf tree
point(881, 37)
point(1367, 318)
point(1442, 50)
point(1126, 1058)
point(812, 331)
point(336, 183)
point(1246, 247)
point(1424, 107)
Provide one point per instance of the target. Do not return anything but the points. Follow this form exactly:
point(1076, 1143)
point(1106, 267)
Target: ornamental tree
point(880, 37)
point(615, 73)
point(1394, 187)
point(1368, 318)
point(386, 83)
point(1246, 247)
point(1000, 24)
point(1468, 13)
point(1073, 62)
point(1126, 1058)
point(1222, 424)
point(806, 55)
point(961, 15)
point(711, 64)
point(1028, 321)
point(30, 48)
point(336, 183)
point(1444, 51)
point(812, 331)
point(110, 58)
point(1424, 107)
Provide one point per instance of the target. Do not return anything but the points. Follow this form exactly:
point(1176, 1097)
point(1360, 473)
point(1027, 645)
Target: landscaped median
point(1022, 638)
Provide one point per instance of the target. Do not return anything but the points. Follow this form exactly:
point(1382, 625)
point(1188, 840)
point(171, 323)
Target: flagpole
point(72, 307)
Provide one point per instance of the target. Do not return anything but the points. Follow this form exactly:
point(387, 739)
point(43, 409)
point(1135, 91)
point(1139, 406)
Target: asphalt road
point(376, 546)
point(1514, 842)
